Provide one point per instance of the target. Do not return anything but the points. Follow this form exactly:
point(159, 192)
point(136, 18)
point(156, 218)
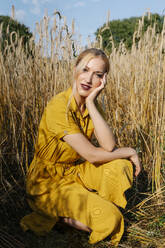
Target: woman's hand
point(135, 160)
point(102, 131)
point(97, 90)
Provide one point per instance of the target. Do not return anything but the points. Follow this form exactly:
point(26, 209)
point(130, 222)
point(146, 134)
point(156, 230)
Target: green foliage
point(118, 31)
point(11, 30)
point(155, 227)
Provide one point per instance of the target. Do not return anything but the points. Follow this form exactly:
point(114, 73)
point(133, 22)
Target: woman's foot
point(76, 224)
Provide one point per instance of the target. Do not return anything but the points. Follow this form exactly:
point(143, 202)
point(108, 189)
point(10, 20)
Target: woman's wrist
point(126, 152)
point(89, 103)
point(132, 151)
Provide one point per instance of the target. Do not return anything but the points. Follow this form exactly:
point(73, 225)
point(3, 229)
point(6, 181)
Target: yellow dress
point(57, 184)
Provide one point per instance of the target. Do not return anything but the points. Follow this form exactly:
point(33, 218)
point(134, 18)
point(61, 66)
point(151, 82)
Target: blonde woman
point(84, 193)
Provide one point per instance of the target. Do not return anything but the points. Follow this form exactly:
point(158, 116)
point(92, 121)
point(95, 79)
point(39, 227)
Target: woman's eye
point(99, 75)
point(85, 69)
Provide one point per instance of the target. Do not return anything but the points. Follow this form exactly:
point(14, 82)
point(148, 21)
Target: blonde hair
point(82, 61)
point(86, 56)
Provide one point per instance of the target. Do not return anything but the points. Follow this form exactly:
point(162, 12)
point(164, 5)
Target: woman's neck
point(80, 102)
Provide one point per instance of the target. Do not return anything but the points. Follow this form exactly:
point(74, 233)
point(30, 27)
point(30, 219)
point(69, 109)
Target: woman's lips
point(85, 87)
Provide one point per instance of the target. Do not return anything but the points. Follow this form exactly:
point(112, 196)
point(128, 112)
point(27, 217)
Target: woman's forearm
point(101, 156)
point(103, 132)
point(98, 155)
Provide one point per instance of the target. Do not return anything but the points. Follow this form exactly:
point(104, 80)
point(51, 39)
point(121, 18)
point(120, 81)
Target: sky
point(87, 14)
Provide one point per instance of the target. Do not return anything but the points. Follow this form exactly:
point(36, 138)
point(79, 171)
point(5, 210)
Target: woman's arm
point(102, 131)
point(97, 155)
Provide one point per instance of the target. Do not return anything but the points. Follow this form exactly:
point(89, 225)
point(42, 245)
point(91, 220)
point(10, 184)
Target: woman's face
point(90, 77)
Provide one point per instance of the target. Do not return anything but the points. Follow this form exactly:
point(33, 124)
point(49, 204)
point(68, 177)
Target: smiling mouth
point(85, 87)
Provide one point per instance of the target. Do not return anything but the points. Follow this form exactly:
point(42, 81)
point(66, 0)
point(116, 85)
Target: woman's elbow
point(92, 159)
point(109, 147)
point(92, 156)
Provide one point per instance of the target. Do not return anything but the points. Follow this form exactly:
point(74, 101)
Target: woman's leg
point(75, 223)
point(78, 206)
point(110, 180)
point(87, 211)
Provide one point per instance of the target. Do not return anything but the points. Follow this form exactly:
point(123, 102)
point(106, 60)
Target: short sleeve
point(59, 118)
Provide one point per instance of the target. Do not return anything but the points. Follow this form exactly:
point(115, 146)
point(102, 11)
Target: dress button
point(107, 172)
point(96, 211)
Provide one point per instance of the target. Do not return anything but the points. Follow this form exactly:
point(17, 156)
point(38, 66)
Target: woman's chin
point(84, 93)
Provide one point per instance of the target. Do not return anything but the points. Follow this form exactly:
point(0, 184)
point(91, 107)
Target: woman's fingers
point(137, 170)
point(136, 162)
point(104, 79)
point(97, 90)
point(103, 82)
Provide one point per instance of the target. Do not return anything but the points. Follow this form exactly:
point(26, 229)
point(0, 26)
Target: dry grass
point(134, 100)
point(149, 227)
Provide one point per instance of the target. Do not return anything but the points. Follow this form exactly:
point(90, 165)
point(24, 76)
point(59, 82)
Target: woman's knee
point(103, 213)
point(111, 223)
point(118, 167)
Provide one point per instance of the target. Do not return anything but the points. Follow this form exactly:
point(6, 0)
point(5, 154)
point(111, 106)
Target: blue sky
point(88, 14)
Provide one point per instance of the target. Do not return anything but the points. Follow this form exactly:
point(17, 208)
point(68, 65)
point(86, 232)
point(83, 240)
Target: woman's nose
point(89, 78)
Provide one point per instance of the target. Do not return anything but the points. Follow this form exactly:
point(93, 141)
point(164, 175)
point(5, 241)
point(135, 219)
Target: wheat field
point(133, 100)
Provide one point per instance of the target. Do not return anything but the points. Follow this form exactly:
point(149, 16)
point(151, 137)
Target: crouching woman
point(84, 193)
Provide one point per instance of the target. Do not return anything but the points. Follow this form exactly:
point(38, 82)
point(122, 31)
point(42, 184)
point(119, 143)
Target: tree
point(123, 30)
point(11, 30)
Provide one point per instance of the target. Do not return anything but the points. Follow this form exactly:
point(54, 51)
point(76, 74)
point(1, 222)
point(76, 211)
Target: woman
point(60, 186)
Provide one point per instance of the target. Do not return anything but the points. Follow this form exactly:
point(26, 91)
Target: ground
point(144, 222)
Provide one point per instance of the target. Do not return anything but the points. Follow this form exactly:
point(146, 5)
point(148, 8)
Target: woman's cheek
point(98, 84)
